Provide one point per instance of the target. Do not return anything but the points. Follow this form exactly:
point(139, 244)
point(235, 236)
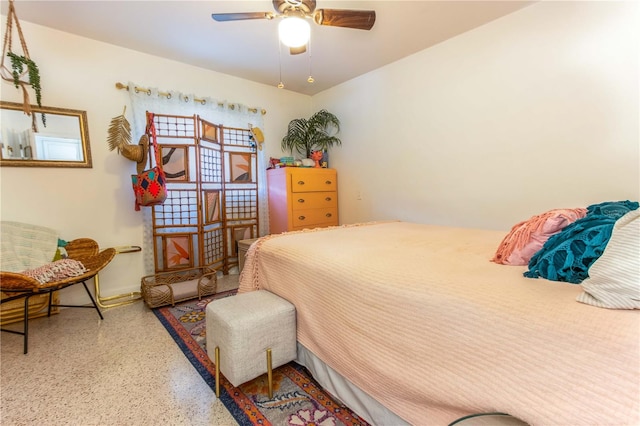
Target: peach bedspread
point(419, 318)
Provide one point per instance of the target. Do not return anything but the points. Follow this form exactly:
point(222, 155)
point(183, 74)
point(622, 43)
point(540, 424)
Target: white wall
point(536, 110)
point(80, 73)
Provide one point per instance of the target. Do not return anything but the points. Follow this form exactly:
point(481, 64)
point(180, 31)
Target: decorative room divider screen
point(212, 202)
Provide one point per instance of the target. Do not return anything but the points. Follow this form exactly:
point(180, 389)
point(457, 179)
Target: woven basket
point(168, 288)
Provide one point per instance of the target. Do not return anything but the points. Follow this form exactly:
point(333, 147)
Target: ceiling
point(184, 31)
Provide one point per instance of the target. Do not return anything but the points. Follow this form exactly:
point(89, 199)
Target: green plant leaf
point(316, 133)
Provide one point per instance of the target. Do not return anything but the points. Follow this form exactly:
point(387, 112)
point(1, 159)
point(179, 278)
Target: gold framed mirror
point(62, 142)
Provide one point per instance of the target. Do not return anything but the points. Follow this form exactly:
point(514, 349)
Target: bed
point(419, 319)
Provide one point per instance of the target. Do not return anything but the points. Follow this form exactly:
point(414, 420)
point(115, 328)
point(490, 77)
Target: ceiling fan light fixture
point(294, 31)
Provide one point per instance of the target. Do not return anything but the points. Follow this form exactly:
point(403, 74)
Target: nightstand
point(243, 247)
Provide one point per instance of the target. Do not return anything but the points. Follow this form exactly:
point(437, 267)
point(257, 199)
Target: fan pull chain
point(310, 79)
point(281, 84)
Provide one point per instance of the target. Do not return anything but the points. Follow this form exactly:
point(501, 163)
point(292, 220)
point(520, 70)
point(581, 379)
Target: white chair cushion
point(25, 246)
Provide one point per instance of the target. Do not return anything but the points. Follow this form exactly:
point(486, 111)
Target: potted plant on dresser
point(318, 133)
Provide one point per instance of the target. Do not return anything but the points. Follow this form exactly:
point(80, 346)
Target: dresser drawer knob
point(328, 199)
point(328, 182)
point(328, 215)
point(300, 182)
point(301, 217)
point(301, 200)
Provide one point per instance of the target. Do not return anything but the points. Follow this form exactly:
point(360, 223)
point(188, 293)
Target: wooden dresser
point(302, 198)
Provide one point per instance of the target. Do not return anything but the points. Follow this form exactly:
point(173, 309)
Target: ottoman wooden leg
point(217, 361)
point(269, 373)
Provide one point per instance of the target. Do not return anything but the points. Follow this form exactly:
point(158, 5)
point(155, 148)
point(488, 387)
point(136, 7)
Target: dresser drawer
point(313, 200)
point(312, 218)
point(302, 197)
point(317, 181)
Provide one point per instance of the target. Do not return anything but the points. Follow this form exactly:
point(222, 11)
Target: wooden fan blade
point(298, 50)
point(224, 17)
point(358, 19)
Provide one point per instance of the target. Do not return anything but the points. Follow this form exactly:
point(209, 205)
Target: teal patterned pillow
point(568, 255)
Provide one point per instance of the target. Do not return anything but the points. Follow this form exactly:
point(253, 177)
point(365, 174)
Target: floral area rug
point(297, 399)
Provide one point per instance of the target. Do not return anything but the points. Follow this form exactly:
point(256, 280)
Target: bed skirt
point(346, 392)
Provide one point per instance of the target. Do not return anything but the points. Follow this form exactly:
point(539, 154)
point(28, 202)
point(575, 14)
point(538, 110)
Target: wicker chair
point(84, 250)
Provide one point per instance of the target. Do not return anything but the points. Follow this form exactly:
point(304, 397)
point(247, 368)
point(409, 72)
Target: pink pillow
point(58, 270)
point(527, 237)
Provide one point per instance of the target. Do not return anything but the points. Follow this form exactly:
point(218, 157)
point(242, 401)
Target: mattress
point(417, 317)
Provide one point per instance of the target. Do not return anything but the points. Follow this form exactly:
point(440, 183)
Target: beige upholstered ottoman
point(249, 334)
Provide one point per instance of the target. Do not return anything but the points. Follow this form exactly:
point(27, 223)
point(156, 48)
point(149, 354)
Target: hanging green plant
point(18, 63)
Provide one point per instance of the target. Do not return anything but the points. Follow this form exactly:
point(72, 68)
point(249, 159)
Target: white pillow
point(614, 278)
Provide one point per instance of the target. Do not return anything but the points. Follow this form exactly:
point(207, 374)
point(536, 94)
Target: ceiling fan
point(294, 30)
